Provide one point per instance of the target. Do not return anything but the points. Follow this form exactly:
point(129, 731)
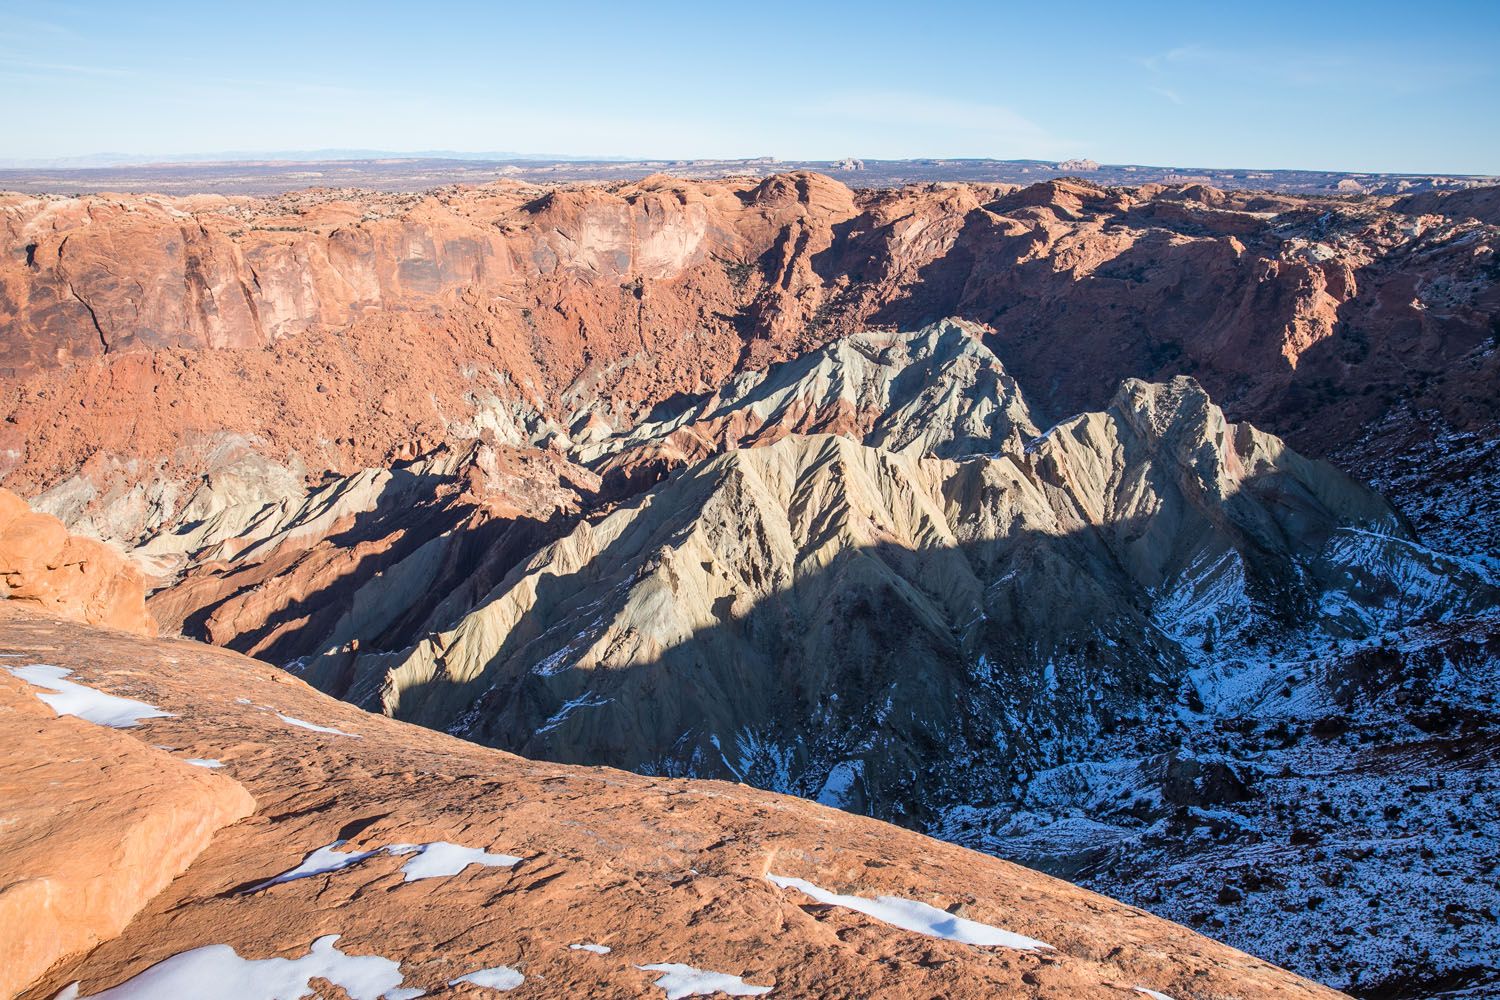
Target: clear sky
point(1380, 86)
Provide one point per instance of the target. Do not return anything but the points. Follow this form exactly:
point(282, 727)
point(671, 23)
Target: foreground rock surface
point(93, 824)
point(657, 871)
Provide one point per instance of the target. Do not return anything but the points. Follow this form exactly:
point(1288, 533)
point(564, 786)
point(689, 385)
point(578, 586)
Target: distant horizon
point(111, 160)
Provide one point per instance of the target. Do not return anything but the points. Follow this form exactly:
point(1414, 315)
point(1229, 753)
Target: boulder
point(68, 575)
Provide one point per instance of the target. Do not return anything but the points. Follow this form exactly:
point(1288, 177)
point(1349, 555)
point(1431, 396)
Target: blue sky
point(1377, 86)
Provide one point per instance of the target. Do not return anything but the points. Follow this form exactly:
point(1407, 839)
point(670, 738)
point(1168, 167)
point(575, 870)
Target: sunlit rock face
point(80, 578)
point(339, 330)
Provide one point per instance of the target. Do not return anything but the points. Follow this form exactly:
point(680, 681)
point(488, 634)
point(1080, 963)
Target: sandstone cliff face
point(80, 578)
point(293, 323)
point(443, 860)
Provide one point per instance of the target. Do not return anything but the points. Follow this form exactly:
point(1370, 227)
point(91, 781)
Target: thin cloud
point(205, 86)
point(1329, 67)
point(288, 87)
point(24, 28)
point(34, 67)
point(993, 125)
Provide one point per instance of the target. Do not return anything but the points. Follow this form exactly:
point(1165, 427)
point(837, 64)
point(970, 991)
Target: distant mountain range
point(274, 172)
point(91, 161)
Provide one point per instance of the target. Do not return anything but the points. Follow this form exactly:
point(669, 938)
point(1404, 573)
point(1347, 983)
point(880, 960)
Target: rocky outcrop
point(937, 391)
point(80, 578)
point(433, 860)
point(794, 614)
point(96, 824)
point(360, 559)
point(1482, 203)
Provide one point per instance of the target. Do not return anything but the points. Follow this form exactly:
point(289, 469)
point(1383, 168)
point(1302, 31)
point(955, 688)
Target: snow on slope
point(67, 697)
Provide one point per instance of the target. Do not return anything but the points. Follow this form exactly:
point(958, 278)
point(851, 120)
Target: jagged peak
point(1066, 196)
point(1159, 410)
point(805, 187)
point(939, 389)
point(1152, 411)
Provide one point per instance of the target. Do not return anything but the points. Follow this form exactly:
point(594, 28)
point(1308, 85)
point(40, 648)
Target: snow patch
point(216, 972)
point(597, 949)
point(910, 915)
point(555, 663)
point(1209, 595)
point(714, 739)
point(1152, 993)
point(316, 728)
point(441, 859)
point(320, 862)
point(71, 698)
point(208, 762)
point(500, 978)
point(765, 763)
point(586, 700)
point(438, 859)
point(838, 789)
point(685, 981)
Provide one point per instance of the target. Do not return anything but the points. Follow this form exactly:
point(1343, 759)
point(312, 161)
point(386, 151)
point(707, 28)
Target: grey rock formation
point(900, 633)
